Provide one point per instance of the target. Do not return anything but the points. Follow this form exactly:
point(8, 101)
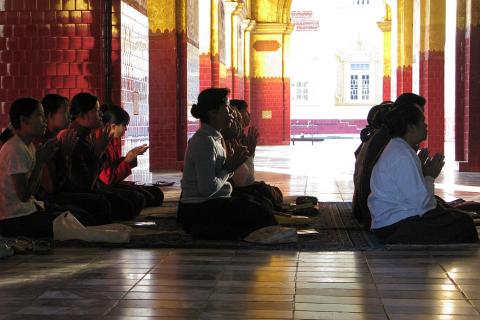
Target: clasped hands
point(431, 166)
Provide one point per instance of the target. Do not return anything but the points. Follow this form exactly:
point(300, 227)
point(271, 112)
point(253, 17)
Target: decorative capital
point(273, 28)
point(248, 25)
point(385, 26)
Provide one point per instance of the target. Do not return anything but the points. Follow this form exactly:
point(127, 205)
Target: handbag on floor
point(67, 227)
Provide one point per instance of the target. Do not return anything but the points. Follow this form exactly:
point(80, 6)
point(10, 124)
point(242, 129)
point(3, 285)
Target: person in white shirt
point(20, 171)
point(206, 208)
point(402, 201)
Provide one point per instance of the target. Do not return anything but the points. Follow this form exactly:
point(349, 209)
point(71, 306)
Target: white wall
point(346, 32)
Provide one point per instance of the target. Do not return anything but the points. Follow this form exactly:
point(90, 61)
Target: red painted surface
point(162, 100)
point(432, 79)
point(235, 82)
point(387, 88)
point(167, 100)
point(51, 47)
point(247, 91)
point(216, 80)
point(205, 71)
point(460, 154)
point(472, 101)
point(404, 80)
point(268, 95)
point(229, 82)
point(239, 87)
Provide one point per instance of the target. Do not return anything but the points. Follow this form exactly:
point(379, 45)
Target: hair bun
point(195, 111)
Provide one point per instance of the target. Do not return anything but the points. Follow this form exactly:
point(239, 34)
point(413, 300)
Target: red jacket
point(115, 169)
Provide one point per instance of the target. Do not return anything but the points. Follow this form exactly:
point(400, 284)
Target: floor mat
point(336, 226)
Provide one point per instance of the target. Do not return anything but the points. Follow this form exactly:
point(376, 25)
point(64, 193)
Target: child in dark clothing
point(116, 168)
point(88, 158)
point(58, 170)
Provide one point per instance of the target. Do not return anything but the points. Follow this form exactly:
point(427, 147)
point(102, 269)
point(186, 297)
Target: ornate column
point(404, 46)
point(386, 27)
point(168, 83)
point(432, 70)
point(460, 151)
point(270, 94)
point(472, 88)
point(248, 26)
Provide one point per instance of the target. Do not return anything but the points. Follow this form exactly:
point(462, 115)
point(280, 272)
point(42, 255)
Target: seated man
point(402, 201)
point(367, 155)
point(243, 179)
point(372, 148)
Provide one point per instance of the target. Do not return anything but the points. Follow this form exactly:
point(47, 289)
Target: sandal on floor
point(20, 244)
point(293, 220)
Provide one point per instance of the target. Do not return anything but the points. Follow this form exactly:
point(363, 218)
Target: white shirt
point(398, 188)
point(245, 174)
point(203, 175)
point(15, 158)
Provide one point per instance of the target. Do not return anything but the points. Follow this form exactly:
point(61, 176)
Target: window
point(359, 90)
point(365, 87)
point(353, 87)
point(300, 90)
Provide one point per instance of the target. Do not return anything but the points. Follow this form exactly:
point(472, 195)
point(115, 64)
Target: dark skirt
point(38, 224)
point(263, 192)
point(125, 201)
point(153, 195)
point(224, 218)
point(437, 226)
point(95, 204)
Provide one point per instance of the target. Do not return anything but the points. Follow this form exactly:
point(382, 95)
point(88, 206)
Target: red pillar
point(432, 70)
point(432, 88)
point(404, 80)
point(472, 90)
point(205, 71)
point(460, 151)
point(387, 88)
point(167, 99)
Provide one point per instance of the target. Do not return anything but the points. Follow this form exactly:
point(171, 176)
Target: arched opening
point(336, 66)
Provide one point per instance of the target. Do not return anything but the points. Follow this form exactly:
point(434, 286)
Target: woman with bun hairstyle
point(402, 201)
point(207, 209)
point(116, 168)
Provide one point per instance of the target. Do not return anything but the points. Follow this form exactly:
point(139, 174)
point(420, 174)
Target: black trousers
point(440, 225)
point(38, 224)
point(126, 202)
point(224, 218)
point(97, 205)
point(153, 195)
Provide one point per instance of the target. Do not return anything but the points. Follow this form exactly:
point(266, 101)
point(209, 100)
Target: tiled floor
point(434, 283)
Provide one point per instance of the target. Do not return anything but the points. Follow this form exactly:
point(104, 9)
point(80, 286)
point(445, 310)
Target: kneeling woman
point(206, 207)
point(402, 200)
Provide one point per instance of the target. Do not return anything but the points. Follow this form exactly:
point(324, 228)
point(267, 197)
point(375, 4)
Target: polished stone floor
point(420, 283)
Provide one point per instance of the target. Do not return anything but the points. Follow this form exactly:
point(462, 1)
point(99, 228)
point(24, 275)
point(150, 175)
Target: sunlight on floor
point(325, 170)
